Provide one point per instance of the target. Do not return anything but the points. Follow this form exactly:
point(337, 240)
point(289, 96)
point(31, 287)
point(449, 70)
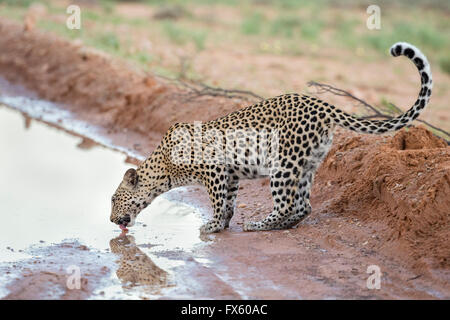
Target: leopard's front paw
point(211, 227)
point(252, 226)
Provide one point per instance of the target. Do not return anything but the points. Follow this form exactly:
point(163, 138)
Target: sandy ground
point(376, 200)
point(46, 277)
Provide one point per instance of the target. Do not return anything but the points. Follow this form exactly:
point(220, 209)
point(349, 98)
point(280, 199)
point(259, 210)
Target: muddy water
point(54, 208)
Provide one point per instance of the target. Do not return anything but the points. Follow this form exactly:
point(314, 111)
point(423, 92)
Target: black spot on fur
point(419, 63)
point(409, 53)
point(425, 77)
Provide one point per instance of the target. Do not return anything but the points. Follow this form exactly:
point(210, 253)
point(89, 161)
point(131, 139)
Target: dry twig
point(195, 89)
point(198, 89)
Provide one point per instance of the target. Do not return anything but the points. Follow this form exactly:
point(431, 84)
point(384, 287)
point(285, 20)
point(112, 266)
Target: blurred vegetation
point(288, 27)
point(19, 3)
point(444, 63)
point(181, 35)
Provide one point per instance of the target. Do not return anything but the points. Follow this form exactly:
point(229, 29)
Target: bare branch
point(322, 88)
point(201, 89)
point(198, 89)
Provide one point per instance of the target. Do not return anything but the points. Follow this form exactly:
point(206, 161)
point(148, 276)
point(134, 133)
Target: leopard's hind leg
point(284, 194)
point(303, 208)
point(307, 178)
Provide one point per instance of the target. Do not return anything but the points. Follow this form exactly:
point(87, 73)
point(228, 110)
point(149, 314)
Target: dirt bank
point(401, 182)
point(105, 90)
point(376, 200)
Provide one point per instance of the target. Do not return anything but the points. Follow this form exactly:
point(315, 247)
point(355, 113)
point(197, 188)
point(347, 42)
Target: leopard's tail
point(380, 126)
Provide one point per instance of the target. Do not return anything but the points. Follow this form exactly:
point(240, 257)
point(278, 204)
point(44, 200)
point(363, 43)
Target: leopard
point(135, 267)
point(300, 131)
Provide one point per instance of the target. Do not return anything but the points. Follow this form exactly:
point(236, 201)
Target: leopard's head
point(135, 193)
point(128, 200)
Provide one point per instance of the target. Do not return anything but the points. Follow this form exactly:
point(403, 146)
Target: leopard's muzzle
point(124, 221)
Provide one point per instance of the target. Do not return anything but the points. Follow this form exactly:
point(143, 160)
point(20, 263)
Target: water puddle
point(54, 208)
point(20, 98)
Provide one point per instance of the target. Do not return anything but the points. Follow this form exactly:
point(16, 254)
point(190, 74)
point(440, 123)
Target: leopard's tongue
point(123, 227)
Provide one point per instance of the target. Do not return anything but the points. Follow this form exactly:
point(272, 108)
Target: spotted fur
point(304, 126)
point(135, 267)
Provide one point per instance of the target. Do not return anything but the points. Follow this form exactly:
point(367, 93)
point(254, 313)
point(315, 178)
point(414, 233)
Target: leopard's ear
point(131, 178)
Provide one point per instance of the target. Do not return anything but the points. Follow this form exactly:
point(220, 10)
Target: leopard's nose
point(125, 219)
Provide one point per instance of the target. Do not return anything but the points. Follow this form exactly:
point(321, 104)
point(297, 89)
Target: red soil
point(401, 182)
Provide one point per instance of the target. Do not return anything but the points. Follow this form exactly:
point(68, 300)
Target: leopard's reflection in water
point(135, 267)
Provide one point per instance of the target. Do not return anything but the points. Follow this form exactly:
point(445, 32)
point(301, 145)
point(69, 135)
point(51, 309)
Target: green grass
point(252, 24)
point(183, 35)
point(285, 33)
point(431, 37)
point(291, 26)
point(279, 27)
point(107, 15)
point(422, 35)
point(344, 32)
point(444, 63)
point(311, 31)
point(60, 29)
point(142, 57)
point(107, 41)
point(196, 2)
point(285, 25)
point(388, 107)
point(90, 15)
point(107, 5)
point(17, 3)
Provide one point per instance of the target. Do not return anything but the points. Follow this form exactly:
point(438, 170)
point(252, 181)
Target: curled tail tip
point(404, 49)
point(416, 56)
point(412, 52)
